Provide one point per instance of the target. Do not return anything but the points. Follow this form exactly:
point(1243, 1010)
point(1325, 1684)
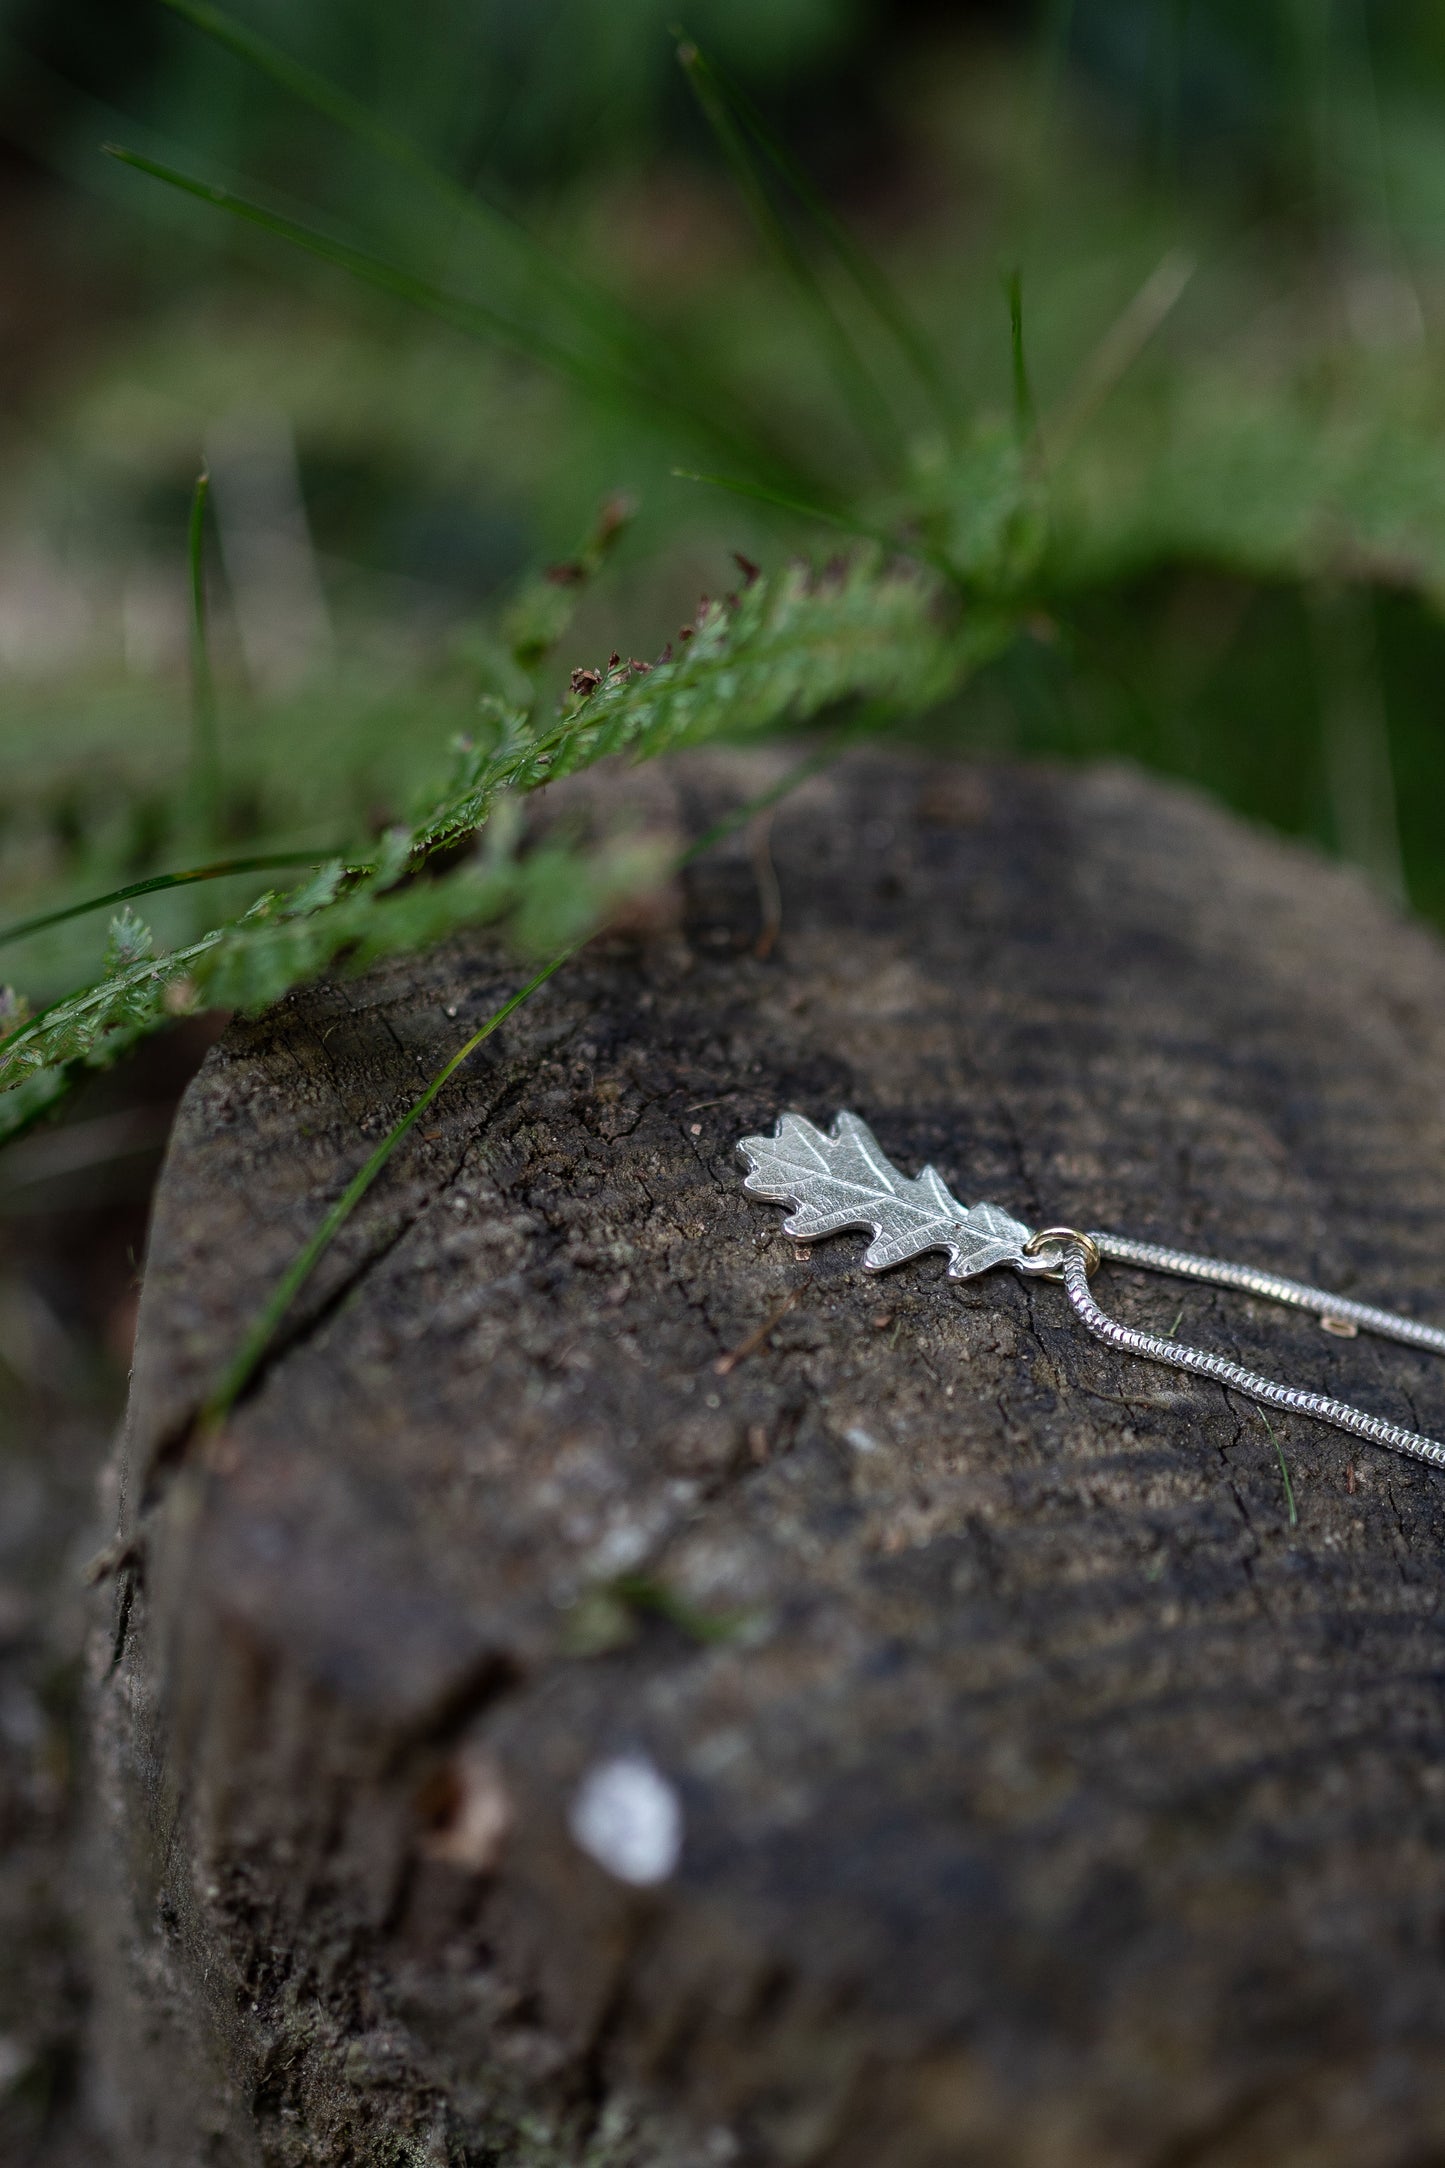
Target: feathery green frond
point(784, 650)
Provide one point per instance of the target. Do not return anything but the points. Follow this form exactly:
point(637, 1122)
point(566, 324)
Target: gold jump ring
point(1059, 1238)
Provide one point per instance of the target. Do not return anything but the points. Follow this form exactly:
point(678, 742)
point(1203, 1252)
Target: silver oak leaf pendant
point(840, 1178)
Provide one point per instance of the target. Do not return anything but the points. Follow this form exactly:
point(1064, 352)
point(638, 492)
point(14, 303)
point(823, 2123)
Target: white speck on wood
point(628, 1818)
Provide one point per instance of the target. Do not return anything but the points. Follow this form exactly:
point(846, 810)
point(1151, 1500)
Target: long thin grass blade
point(1036, 157)
point(1120, 347)
point(464, 314)
point(1056, 23)
point(869, 408)
point(248, 1356)
point(265, 862)
point(830, 515)
point(827, 515)
point(641, 347)
point(205, 742)
point(356, 120)
point(869, 278)
point(336, 104)
point(1283, 1467)
point(1026, 419)
point(599, 379)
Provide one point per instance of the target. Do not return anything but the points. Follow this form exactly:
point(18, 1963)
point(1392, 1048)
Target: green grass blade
point(1025, 418)
point(599, 379)
point(205, 742)
point(875, 422)
point(644, 1593)
point(827, 515)
point(1118, 350)
point(867, 719)
point(1283, 1467)
point(637, 345)
point(356, 120)
point(830, 515)
point(868, 277)
point(1035, 157)
point(265, 862)
point(372, 270)
point(242, 1368)
point(330, 100)
point(1050, 58)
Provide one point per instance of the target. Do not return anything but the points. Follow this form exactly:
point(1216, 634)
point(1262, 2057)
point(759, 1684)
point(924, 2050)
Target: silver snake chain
point(1073, 1257)
point(841, 1178)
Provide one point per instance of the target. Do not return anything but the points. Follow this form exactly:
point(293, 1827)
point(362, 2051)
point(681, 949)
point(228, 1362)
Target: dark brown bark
point(1049, 1796)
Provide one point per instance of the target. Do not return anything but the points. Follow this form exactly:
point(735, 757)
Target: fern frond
point(781, 652)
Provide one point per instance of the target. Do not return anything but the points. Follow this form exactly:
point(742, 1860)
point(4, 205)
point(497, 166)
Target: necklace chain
point(1248, 1280)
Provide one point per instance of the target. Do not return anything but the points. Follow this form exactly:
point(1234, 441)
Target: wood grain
point(1048, 1798)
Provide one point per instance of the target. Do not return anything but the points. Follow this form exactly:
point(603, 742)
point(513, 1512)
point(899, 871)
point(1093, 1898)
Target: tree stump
point(623, 1691)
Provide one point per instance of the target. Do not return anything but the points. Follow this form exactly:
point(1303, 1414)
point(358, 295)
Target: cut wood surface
point(623, 1691)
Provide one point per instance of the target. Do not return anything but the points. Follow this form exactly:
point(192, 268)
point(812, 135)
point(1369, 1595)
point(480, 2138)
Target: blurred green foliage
point(528, 95)
point(483, 267)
